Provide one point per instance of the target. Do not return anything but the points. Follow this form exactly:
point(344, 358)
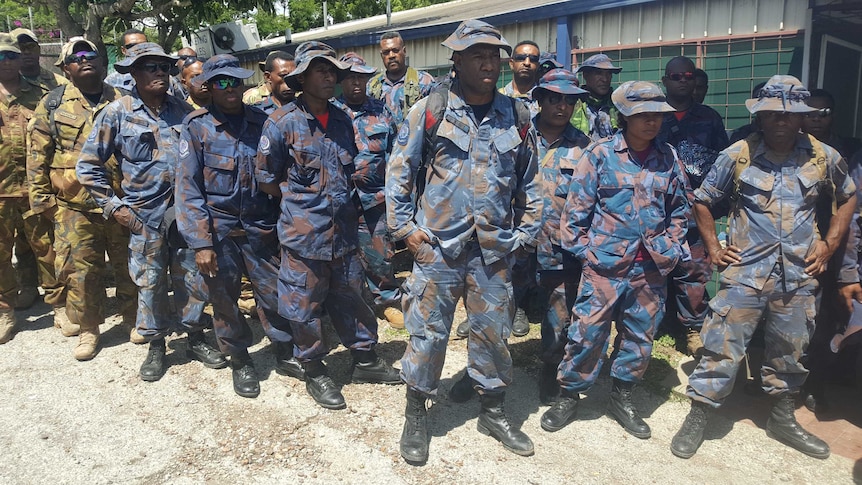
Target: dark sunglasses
point(679, 76)
point(523, 57)
point(189, 60)
point(152, 67)
point(556, 98)
point(820, 113)
point(129, 46)
point(82, 56)
point(226, 82)
point(9, 56)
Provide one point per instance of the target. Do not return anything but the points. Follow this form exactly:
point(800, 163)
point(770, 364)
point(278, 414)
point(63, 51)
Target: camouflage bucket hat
point(222, 65)
point(633, 97)
point(472, 32)
point(144, 49)
point(560, 81)
point(75, 44)
point(309, 51)
point(781, 93)
point(357, 63)
point(599, 61)
point(8, 43)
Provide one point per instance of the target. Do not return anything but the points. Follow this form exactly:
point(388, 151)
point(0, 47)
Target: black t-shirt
point(480, 110)
point(93, 98)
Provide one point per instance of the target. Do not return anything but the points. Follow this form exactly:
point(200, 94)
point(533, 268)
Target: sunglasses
point(523, 57)
point(557, 98)
point(80, 57)
point(152, 67)
point(9, 56)
point(189, 60)
point(225, 83)
point(820, 113)
point(129, 46)
point(679, 76)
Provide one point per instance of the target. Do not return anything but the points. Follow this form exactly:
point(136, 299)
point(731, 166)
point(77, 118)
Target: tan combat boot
point(129, 323)
point(693, 342)
point(394, 316)
point(61, 321)
point(88, 344)
point(27, 297)
point(7, 325)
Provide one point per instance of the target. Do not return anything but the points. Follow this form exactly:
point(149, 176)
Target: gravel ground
point(97, 422)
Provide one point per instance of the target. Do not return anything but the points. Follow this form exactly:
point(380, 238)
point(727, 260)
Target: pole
point(388, 13)
point(325, 15)
point(30, 12)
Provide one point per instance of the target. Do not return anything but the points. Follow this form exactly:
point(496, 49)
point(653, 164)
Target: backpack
point(412, 93)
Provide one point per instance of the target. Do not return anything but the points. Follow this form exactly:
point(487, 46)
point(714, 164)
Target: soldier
point(701, 85)
point(524, 64)
point(124, 80)
point(400, 86)
point(306, 157)
point(697, 132)
point(61, 124)
point(230, 225)
point(141, 130)
point(375, 131)
point(199, 94)
point(278, 65)
point(185, 55)
point(625, 220)
point(18, 100)
point(476, 204)
point(596, 115)
point(31, 52)
point(774, 252)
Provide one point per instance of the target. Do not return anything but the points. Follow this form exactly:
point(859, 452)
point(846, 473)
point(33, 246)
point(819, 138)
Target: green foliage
point(14, 14)
point(308, 14)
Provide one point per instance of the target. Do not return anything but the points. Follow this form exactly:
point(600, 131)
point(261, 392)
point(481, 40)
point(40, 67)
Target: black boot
point(562, 412)
point(154, 367)
point(368, 368)
point(493, 422)
point(245, 381)
point(321, 387)
point(520, 326)
point(200, 350)
point(623, 410)
point(414, 437)
point(285, 363)
point(463, 390)
point(463, 329)
point(688, 439)
point(549, 388)
point(782, 426)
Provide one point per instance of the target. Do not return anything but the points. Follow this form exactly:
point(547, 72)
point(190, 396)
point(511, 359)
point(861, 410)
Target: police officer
point(61, 124)
point(141, 130)
point(278, 65)
point(375, 132)
point(625, 220)
point(596, 115)
point(774, 251)
point(479, 204)
point(228, 223)
point(306, 157)
point(524, 63)
point(399, 85)
point(199, 95)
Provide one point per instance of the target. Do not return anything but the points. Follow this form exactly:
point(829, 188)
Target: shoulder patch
point(264, 145)
point(403, 133)
point(184, 148)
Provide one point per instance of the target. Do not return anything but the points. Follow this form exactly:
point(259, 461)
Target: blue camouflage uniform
point(773, 223)
point(526, 98)
point(145, 146)
point(697, 137)
point(267, 105)
point(219, 206)
point(625, 221)
point(375, 131)
point(320, 268)
point(392, 92)
point(479, 205)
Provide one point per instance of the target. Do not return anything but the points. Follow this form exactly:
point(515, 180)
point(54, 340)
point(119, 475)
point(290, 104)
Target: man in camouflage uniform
point(477, 205)
point(199, 95)
point(61, 124)
point(768, 269)
point(697, 133)
point(596, 115)
point(375, 131)
point(400, 86)
point(278, 93)
point(18, 100)
point(625, 220)
point(306, 157)
point(141, 130)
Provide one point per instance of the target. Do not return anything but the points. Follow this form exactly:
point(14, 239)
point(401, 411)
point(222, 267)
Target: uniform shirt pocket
point(305, 172)
point(138, 142)
point(219, 173)
point(69, 128)
point(755, 185)
point(809, 179)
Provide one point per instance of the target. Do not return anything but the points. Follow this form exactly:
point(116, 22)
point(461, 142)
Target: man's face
point(643, 127)
point(818, 123)
point(478, 68)
point(318, 81)
point(30, 52)
point(226, 93)
point(184, 54)
point(701, 85)
point(525, 63)
point(132, 40)
point(597, 81)
point(678, 79)
point(199, 92)
point(353, 87)
point(779, 128)
point(151, 74)
point(280, 68)
point(81, 66)
point(10, 65)
point(394, 55)
point(556, 108)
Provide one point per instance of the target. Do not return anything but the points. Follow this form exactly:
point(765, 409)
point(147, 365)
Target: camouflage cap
point(633, 97)
point(781, 93)
point(138, 51)
point(27, 34)
point(73, 46)
point(309, 51)
point(472, 32)
point(560, 81)
point(222, 65)
point(357, 63)
point(599, 61)
point(8, 43)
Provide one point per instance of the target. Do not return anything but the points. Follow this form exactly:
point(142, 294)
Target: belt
point(237, 232)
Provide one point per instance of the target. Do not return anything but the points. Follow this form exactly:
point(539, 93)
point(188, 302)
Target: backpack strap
point(742, 160)
point(411, 88)
point(52, 101)
point(375, 86)
point(435, 110)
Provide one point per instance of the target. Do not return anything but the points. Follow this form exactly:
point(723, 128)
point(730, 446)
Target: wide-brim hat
point(29, 35)
point(357, 64)
point(8, 43)
point(599, 61)
point(781, 93)
point(560, 81)
point(144, 49)
point(222, 65)
point(309, 51)
point(633, 97)
point(71, 47)
point(473, 32)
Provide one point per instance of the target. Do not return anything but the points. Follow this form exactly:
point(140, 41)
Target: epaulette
point(195, 114)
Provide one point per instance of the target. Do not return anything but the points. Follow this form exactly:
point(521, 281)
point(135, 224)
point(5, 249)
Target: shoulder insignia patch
point(184, 148)
point(264, 145)
point(404, 133)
